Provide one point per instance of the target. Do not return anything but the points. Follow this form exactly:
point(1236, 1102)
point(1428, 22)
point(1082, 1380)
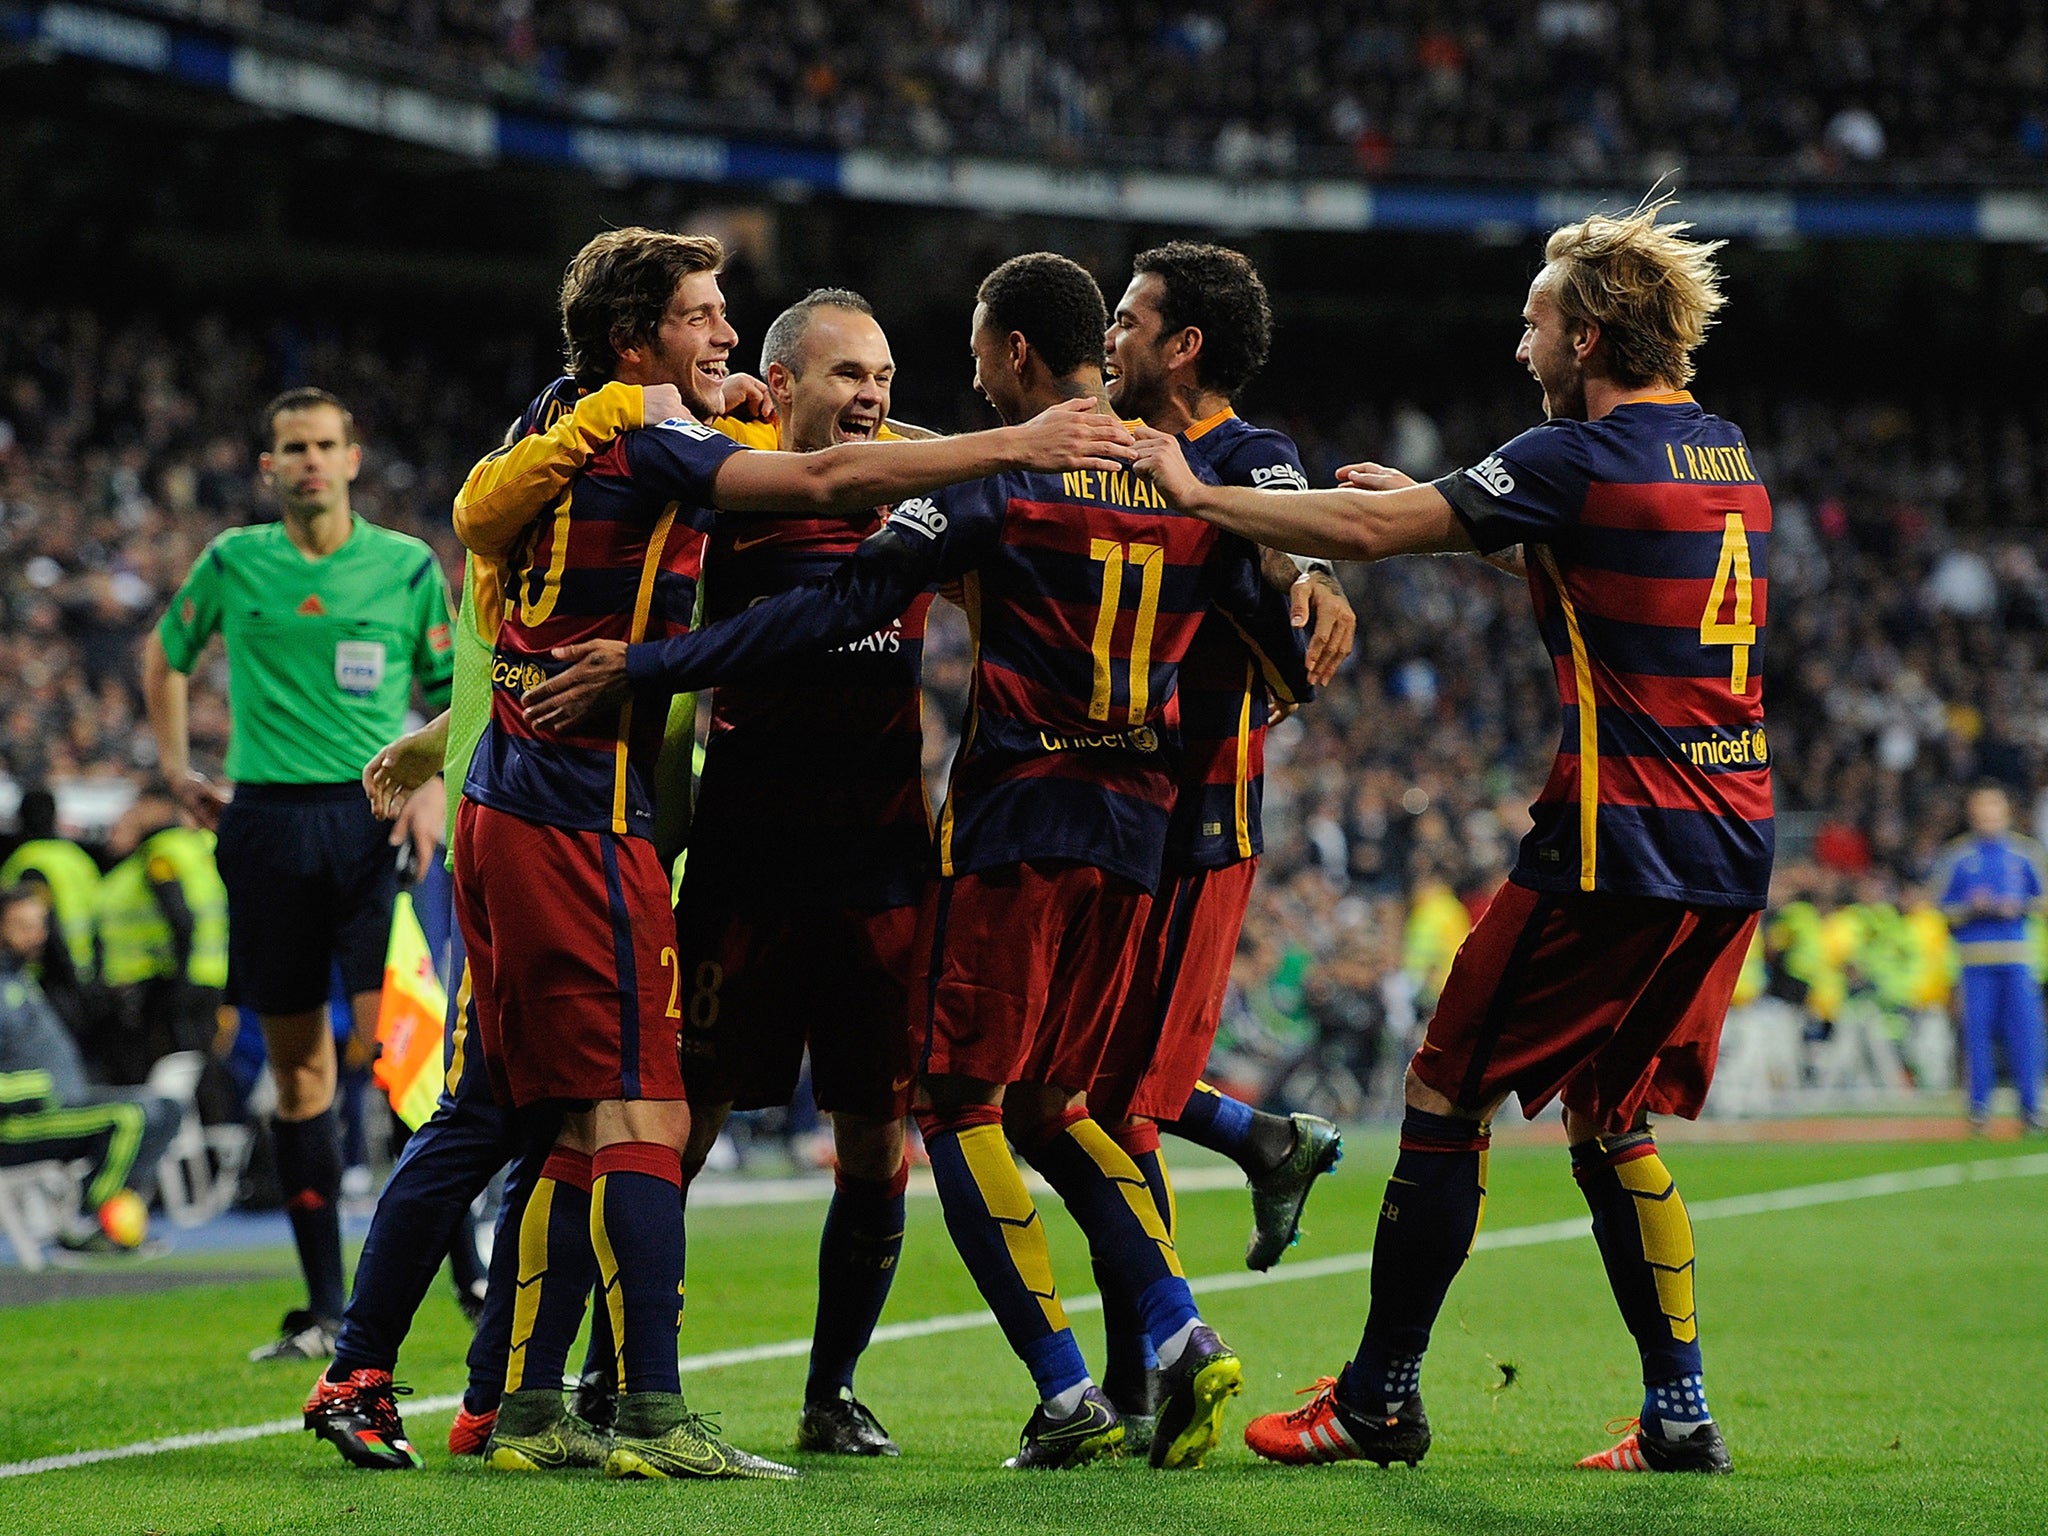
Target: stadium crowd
point(1906, 646)
point(1820, 90)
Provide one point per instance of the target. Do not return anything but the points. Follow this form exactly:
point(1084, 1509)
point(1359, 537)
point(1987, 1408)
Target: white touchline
point(1875, 1185)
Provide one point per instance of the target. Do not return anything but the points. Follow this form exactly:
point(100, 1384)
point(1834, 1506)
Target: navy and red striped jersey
point(1646, 534)
point(616, 557)
point(1225, 695)
point(813, 784)
point(1083, 592)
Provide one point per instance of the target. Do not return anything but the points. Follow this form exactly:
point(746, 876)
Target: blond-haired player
point(1601, 973)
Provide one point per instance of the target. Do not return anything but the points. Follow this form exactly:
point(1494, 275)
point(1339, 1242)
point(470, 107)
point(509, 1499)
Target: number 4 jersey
point(1645, 537)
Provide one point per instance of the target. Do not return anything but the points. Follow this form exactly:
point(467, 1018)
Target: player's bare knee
point(867, 1148)
point(1035, 1111)
point(949, 1095)
point(1420, 1095)
point(706, 1122)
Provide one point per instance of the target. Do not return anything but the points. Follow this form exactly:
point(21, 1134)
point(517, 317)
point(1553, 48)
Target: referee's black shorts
point(311, 876)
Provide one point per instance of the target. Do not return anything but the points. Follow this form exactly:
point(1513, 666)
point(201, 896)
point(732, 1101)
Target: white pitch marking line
point(1799, 1197)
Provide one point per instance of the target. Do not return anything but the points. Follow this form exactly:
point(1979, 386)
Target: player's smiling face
point(842, 394)
point(1551, 350)
point(1134, 354)
point(690, 348)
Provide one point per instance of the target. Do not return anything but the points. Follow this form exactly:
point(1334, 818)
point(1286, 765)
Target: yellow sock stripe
point(1117, 1167)
point(608, 1281)
point(1667, 1241)
point(533, 1270)
point(1172, 1205)
point(1009, 1202)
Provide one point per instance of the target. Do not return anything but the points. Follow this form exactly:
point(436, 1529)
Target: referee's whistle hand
point(594, 681)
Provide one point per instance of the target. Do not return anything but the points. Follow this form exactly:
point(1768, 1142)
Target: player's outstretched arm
point(869, 588)
point(1369, 476)
point(849, 477)
point(1341, 524)
point(515, 484)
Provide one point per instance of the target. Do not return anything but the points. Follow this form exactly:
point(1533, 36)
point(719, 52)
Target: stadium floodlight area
point(356, 98)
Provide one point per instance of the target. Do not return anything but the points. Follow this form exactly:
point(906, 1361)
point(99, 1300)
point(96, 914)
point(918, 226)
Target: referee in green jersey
point(328, 621)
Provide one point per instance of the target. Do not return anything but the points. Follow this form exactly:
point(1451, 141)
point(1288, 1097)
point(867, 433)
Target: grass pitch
point(1875, 1363)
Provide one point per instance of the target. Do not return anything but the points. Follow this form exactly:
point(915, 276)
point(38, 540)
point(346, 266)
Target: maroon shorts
point(1168, 1024)
point(760, 986)
point(1612, 1003)
point(572, 960)
point(1025, 967)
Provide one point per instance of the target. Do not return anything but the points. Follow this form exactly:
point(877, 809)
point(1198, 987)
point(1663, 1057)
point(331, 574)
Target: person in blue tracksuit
point(1990, 881)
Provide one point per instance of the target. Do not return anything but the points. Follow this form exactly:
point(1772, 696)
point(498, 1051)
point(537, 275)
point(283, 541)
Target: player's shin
point(556, 1270)
point(636, 1228)
point(857, 1256)
point(1428, 1220)
point(996, 1228)
point(309, 1172)
point(1645, 1240)
point(1114, 1206)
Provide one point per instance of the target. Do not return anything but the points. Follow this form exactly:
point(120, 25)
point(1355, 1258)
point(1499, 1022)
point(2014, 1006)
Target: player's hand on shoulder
point(660, 402)
point(594, 681)
point(1073, 435)
point(1317, 599)
point(748, 398)
point(202, 800)
point(1160, 460)
point(1369, 476)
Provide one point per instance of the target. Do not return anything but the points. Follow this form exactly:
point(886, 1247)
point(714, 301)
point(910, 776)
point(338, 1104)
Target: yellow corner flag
point(409, 1020)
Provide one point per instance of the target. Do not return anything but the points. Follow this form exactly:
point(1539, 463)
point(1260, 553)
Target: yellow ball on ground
point(125, 1219)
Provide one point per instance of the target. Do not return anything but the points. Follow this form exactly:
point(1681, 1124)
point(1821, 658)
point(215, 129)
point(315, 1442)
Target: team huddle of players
point(1041, 966)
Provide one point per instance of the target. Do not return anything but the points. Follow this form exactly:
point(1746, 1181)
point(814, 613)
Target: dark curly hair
point(1054, 303)
point(618, 288)
point(1217, 291)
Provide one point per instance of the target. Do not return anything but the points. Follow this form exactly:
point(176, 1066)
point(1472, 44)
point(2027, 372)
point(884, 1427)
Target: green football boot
point(1278, 1196)
point(657, 1436)
point(535, 1433)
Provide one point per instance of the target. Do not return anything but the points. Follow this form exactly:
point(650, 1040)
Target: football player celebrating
point(558, 891)
point(1186, 337)
point(1601, 973)
point(1083, 595)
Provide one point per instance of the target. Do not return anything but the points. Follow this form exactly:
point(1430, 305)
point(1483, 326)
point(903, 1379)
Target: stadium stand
point(1838, 90)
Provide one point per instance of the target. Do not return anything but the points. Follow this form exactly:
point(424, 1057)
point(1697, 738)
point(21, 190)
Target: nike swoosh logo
point(901, 1083)
point(761, 538)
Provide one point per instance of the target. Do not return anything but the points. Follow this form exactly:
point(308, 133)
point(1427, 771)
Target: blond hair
point(1652, 292)
point(618, 288)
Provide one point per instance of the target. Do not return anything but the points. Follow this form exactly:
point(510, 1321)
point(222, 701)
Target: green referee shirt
point(321, 653)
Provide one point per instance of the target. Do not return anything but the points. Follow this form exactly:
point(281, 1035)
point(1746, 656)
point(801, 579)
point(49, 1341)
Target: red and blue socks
point(556, 1270)
point(857, 1257)
point(636, 1230)
point(1645, 1240)
point(1435, 1198)
point(308, 1157)
point(997, 1229)
point(1256, 1141)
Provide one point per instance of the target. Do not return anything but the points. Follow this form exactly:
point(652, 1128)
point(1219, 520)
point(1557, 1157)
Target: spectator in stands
point(48, 1109)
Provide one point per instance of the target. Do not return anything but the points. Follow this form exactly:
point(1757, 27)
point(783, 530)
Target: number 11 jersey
point(1645, 536)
